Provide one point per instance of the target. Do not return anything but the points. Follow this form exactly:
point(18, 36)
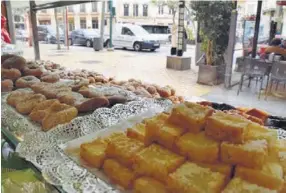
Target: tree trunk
point(57, 30)
point(174, 16)
point(209, 55)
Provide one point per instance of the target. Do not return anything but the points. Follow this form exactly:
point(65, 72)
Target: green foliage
point(171, 4)
point(214, 18)
point(190, 34)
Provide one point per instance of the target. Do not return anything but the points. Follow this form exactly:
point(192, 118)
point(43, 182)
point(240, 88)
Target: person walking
point(185, 40)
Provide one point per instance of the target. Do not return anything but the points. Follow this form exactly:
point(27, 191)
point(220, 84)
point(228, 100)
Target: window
point(71, 24)
point(94, 23)
point(145, 10)
point(135, 10)
point(161, 9)
point(82, 23)
point(126, 31)
point(126, 10)
point(17, 18)
point(70, 8)
point(82, 7)
point(105, 22)
point(94, 6)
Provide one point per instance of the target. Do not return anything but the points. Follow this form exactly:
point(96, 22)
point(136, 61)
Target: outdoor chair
point(278, 75)
point(254, 69)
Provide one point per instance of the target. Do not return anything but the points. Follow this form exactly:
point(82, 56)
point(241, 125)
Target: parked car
point(131, 36)
point(83, 37)
point(22, 35)
point(49, 34)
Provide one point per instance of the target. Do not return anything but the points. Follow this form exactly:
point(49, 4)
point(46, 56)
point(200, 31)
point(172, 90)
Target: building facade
point(88, 15)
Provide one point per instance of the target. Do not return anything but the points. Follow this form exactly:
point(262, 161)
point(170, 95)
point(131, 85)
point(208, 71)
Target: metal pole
point(181, 30)
point(10, 21)
point(230, 50)
point(256, 28)
point(110, 22)
point(102, 20)
point(34, 30)
point(57, 29)
point(67, 28)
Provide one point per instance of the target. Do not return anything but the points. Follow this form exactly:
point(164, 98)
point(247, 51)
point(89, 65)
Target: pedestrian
point(4, 33)
point(185, 39)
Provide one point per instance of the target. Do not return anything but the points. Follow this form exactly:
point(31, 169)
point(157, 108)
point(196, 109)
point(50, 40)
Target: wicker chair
point(255, 69)
point(278, 75)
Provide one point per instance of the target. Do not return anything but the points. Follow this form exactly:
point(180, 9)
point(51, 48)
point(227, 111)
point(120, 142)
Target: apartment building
point(88, 15)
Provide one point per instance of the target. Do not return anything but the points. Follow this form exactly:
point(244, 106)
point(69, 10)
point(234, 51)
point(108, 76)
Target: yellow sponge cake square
point(123, 149)
point(250, 154)
point(137, 132)
point(157, 162)
point(225, 127)
point(225, 169)
point(118, 173)
point(270, 176)
point(198, 147)
point(191, 178)
point(93, 153)
point(237, 185)
point(148, 185)
point(190, 116)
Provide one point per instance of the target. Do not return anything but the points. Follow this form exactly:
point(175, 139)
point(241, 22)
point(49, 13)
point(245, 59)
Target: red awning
point(281, 3)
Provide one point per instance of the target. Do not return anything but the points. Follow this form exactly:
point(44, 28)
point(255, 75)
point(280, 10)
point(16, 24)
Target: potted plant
point(214, 18)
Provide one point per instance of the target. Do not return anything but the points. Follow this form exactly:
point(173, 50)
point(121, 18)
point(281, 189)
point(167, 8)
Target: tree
point(57, 29)
point(214, 18)
point(171, 4)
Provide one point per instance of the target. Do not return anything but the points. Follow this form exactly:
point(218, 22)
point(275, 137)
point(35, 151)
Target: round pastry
point(17, 62)
point(6, 56)
point(38, 72)
point(6, 85)
point(26, 81)
point(12, 73)
point(91, 79)
point(51, 78)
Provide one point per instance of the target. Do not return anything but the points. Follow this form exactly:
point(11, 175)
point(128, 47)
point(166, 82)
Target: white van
point(131, 36)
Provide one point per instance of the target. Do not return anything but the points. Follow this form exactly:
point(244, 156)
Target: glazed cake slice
point(270, 176)
point(190, 116)
point(251, 154)
point(237, 185)
point(192, 178)
point(157, 162)
point(123, 149)
point(225, 127)
point(93, 153)
point(198, 147)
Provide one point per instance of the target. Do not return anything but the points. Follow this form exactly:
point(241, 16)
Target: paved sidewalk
point(146, 66)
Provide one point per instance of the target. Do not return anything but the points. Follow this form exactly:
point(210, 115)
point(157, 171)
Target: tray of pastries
point(192, 148)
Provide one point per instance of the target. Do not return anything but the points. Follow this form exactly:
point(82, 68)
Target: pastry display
point(7, 85)
point(50, 78)
point(51, 91)
point(30, 71)
point(26, 81)
point(218, 153)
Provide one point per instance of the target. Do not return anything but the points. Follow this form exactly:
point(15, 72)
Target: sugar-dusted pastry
point(190, 116)
point(17, 62)
point(118, 173)
point(26, 106)
point(51, 91)
point(192, 178)
point(83, 104)
point(40, 110)
point(35, 71)
point(224, 127)
point(269, 176)
point(54, 115)
point(17, 96)
point(124, 149)
point(251, 154)
point(157, 162)
point(149, 185)
point(26, 81)
point(11, 74)
point(94, 152)
point(7, 85)
point(198, 147)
